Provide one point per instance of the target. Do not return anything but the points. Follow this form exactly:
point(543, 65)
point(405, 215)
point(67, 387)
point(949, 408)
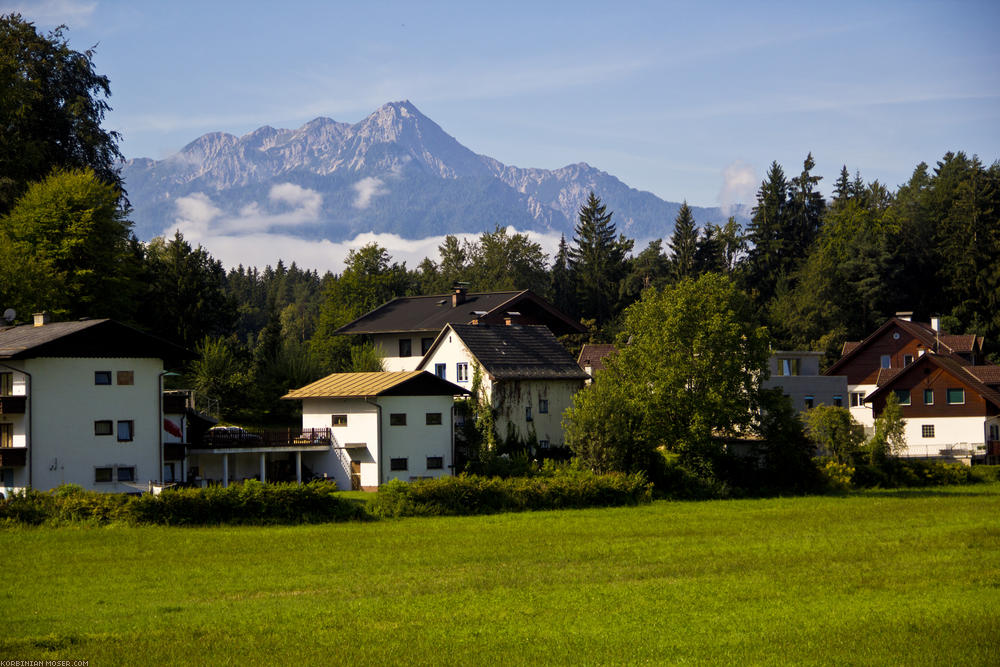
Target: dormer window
point(886, 361)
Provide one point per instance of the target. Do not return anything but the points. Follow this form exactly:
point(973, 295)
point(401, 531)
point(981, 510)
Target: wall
point(362, 427)
point(416, 441)
point(962, 433)
point(511, 397)
point(865, 366)
point(824, 389)
point(387, 346)
point(451, 351)
point(65, 402)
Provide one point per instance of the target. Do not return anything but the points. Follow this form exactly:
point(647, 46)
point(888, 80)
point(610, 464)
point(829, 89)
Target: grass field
point(905, 577)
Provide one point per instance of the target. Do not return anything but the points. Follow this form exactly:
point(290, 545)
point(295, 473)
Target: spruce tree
point(805, 210)
point(561, 287)
point(765, 259)
point(597, 262)
point(683, 244)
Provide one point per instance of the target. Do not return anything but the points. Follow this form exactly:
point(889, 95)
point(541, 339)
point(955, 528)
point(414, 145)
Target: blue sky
point(676, 98)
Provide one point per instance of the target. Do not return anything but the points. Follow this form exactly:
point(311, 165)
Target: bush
point(248, 503)
point(554, 488)
point(985, 473)
point(838, 476)
point(895, 473)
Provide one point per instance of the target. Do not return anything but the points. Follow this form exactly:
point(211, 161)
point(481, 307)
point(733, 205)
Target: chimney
point(458, 296)
point(936, 322)
point(511, 318)
point(41, 319)
point(905, 315)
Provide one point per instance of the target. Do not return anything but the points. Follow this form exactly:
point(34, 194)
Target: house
point(950, 409)
point(797, 374)
point(80, 404)
point(871, 363)
point(380, 426)
point(185, 423)
point(592, 356)
point(526, 375)
point(404, 329)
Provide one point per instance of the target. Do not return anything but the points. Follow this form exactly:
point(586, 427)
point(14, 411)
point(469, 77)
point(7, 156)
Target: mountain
point(396, 171)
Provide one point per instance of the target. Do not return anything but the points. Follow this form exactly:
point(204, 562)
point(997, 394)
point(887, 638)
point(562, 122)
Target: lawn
point(872, 578)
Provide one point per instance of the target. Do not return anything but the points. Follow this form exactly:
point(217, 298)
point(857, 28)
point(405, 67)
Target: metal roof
point(362, 385)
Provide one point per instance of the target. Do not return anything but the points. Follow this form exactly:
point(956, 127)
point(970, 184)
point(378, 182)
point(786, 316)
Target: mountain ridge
point(395, 171)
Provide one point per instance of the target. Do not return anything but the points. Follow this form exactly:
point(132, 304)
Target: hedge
point(473, 494)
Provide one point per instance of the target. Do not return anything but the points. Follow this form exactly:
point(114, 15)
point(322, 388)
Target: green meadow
point(891, 577)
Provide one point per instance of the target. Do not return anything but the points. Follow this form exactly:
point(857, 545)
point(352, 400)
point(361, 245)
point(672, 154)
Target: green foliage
point(889, 439)
point(71, 226)
point(685, 373)
point(248, 503)
point(838, 476)
point(835, 432)
point(683, 244)
point(222, 371)
point(51, 111)
point(897, 473)
point(471, 494)
point(598, 262)
point(784, 455)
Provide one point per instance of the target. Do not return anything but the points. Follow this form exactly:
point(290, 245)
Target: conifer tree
point(765, 259)
point(597, 262)
point(561, 287)
point(683, 244)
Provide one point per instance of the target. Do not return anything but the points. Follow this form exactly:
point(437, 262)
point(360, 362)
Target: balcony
point(234, 438)
point(13, 405)
point(12, 457)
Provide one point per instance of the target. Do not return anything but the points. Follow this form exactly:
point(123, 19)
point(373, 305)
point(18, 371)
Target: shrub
point(985, 473)
point(838, 476)
point(471, 494)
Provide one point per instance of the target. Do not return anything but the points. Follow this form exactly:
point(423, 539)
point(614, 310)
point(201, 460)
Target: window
point(6, 384)
point(126, 473)
point(838, 401)
point(927, 430)
point(907, 359)
point(104, 427)
point(425, 344)
point(6, 477)
point(928, 397)
point(994, 432)
point(788, 366)
point(903, 396)
point(543, 406)
point(125, 377)
point(886, 362)
point(125, 430)
point(102, 377)
point(441, 370)
point(104, 475)
point(404, 347)
point(397, 419)
point(397, 464)
point(809, 401)
point(543, 444)
point(527, 414)
point(338, 420)
point(857, 399)
point(6, 434)
point(435, 462)
point(956, 396)
point(432, 419)
point(462, 371)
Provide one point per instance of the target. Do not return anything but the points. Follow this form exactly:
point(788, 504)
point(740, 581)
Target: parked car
point(225, 435)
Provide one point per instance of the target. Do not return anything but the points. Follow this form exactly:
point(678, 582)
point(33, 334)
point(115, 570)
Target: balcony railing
point(13, 457)
point(13, 405)
point(232, 437)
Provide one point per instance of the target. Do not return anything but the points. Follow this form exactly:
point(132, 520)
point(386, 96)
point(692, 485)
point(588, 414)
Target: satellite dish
point(9, 315)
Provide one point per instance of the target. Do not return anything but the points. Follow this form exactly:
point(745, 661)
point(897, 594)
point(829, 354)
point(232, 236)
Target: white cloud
point(739, 186)
point(198, 215)
point(367, 188)
point(198, 219)
point(53, 12)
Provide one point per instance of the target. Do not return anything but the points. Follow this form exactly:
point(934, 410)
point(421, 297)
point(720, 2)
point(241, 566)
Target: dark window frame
point(432, 419)
point(425, 345)
point(543, 406)
point(928, 393)
point(102, 378)
point(405, 347)
point(949, 394)
point(927, 430)
point(399, 464)
point(397, 419)
point(441, 370)
point(902, 394)
point(110, 470)
point(338, 420)
point(104, 427)
point(435, 463)
point(131, 430)
point(125, 378)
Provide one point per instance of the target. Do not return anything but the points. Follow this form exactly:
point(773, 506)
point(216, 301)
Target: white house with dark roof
point(404, 329)
point(80, 403)
point(526, 375)
point(381, 426)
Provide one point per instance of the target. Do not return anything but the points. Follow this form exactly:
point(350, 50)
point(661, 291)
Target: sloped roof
point(528, 352)
point(363, 385)
point(886, 375)
point(433, 313)
point(987, 374)
point(919, 330)
point(593, 355)
point(85, 338)
point(849, 346)
point(960, 371)
point(957, 343)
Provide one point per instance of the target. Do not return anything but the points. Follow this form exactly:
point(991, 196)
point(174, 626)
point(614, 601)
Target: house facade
point(797, 374)
point(382, 426)
point(404, 329)
point(873, 362)
point(951, 410)
point(525, 374)
point(80, 404)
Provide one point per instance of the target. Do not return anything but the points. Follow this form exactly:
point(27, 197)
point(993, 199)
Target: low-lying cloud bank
point(253, 238)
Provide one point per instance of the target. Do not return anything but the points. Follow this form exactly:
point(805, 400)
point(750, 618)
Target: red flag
point(172, 428)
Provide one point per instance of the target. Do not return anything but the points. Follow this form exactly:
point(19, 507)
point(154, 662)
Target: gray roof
point(432, 313)
point(528, 352)
point(85, 338)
